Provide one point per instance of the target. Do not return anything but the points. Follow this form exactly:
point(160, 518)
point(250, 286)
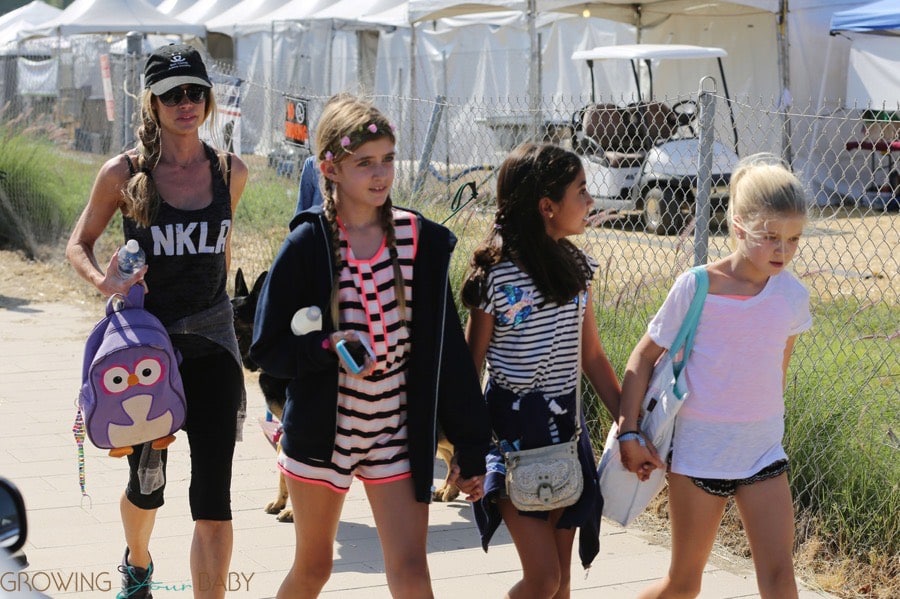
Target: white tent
point(173, 7)
point(431, 10)
point(861, 67)
point(203, 10)
point(310, 47)
point(242, 12)
point(873, 78)
point(113, 16)
point(25, 17)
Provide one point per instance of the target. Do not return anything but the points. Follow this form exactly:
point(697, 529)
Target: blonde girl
point(381, 274)
point(728, 435)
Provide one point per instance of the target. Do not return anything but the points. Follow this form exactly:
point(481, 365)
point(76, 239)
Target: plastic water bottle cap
point(306, 320)
point(132, 246)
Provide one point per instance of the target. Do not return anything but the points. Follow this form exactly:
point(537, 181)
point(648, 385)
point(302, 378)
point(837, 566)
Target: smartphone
point(353, 354)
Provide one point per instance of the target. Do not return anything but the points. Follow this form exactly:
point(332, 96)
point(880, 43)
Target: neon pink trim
point(415, 229)
point(312, 481)
point(736, 297)
point(382, 481)
point(351, 256)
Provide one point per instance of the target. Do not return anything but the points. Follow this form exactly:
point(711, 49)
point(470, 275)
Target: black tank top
point(186, 250)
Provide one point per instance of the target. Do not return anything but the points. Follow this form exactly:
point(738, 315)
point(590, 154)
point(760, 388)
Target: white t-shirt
point(732, 422)
point(535, 344)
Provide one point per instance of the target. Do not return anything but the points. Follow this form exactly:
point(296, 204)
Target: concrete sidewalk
point(74, 545)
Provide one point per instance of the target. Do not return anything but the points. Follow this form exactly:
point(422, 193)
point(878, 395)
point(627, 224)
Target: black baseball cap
point(172, 66)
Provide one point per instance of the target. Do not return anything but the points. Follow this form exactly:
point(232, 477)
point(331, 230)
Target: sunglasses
point(195, 93)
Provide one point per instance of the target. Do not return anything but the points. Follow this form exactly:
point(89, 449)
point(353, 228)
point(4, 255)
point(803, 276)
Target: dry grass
point(868, 577)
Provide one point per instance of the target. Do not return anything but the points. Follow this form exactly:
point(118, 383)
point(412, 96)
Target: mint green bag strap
point(685, 337)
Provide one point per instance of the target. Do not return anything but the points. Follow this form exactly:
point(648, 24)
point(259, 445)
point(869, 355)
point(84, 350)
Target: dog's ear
point(240, 285)
point(257, 286)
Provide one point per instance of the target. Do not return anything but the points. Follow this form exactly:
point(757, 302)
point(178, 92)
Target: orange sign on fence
point(296, 125)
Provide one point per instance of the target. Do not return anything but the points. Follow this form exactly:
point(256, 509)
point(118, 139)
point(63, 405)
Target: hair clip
point(360, 135)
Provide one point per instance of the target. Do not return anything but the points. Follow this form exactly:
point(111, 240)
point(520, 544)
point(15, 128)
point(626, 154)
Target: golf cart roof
point(648, 52)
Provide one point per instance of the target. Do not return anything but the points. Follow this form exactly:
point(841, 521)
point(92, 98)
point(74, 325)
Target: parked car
point(13, 534)
point(643, 156)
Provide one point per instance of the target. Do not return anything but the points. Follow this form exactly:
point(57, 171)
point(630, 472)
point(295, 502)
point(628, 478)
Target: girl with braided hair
point(377, 273)
point(177, 196)
point(528, 288)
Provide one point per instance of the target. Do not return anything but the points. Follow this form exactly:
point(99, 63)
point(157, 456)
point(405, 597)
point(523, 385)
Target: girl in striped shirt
point(528, 288)
point(380, 274)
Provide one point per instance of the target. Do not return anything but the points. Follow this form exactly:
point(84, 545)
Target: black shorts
point(213, 386)
point(723, 487)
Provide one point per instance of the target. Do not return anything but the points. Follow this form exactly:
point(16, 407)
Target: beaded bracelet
point(632, 436)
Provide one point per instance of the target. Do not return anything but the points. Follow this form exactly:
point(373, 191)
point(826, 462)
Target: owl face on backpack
point(134, 391)
point(131, 388)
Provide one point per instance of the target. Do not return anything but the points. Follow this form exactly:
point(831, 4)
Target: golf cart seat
point(625, 134)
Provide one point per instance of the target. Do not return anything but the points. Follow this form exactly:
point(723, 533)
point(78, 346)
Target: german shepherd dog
point(274, 390)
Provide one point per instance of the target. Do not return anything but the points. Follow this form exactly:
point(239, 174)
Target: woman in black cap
point(177, 196)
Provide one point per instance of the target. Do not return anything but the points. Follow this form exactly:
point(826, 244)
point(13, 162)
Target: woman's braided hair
point(141, 200)
point(558, 268)
point(347, 122)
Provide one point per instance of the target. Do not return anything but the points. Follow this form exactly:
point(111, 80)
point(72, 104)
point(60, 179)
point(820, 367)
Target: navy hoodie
point(442, 384)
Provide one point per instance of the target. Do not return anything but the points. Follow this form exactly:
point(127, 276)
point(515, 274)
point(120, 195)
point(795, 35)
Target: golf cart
point(644, 156)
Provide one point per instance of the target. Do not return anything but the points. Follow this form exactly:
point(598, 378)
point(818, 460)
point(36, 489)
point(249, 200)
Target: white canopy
point(429, 10)
point(294, 10)
point(203, 10)
point(648, 13)
point(648, 52)
point(242, 12)
point(25, 17)
point(173, 7)
point(113, 16)
point(873, 76)
point(353, 10)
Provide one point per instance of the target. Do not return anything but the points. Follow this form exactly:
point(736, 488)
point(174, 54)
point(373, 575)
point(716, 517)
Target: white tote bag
point(625, 496)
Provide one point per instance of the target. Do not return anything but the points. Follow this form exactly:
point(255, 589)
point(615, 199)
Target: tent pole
point(413, 52)
point(784, 66)
point(534, 90)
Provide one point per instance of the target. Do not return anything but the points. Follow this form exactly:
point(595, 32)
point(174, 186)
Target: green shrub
point(41, 190)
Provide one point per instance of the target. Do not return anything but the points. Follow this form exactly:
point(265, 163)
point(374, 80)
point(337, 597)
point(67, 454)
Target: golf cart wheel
point(662, 214)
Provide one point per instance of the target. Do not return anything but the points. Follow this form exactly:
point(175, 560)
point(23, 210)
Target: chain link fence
point(648, 164)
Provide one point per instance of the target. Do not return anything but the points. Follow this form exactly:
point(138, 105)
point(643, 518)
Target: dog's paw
point(285, 515)
point(276, 507)
point(445, 494)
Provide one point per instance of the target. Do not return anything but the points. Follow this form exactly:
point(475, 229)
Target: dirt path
point(24, 281)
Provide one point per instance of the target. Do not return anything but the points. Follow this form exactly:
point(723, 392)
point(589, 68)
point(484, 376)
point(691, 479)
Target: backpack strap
point(131, 169)
point(684, 340)
point(134, 299)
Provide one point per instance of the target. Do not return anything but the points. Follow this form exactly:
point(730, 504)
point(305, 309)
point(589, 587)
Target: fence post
point(134, 48)
point(433, 124)
point(707, 116)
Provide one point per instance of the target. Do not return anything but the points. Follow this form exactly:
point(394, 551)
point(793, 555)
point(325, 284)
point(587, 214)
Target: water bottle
point(306, 320)
point(150, 471)
point(131, 258)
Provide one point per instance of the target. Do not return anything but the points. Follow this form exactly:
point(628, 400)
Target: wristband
point(632, 436)
point(631, 432)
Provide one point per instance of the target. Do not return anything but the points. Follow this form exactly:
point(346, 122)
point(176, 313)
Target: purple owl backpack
point(131, 390)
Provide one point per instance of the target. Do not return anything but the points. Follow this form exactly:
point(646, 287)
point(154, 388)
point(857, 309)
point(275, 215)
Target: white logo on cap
point(177, 62)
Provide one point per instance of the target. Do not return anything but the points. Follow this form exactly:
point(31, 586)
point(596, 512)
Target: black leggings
point(213, 386)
